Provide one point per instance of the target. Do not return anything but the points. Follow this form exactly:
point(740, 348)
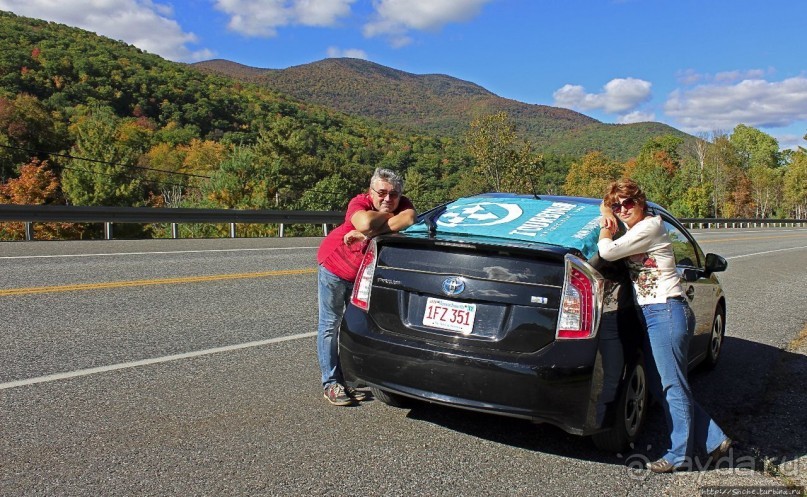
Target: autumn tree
point(657, 167)
point(26, 130)
point(35, 185)
point(591, 175)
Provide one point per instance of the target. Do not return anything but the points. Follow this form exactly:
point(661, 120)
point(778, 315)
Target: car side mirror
point(715, 263)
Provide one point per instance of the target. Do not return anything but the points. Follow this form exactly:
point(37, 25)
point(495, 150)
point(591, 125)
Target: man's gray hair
point(389, 176)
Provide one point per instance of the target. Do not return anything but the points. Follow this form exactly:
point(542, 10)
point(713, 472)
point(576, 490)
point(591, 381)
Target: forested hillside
point(441, 105)
point(117, 126)
point(86, 120)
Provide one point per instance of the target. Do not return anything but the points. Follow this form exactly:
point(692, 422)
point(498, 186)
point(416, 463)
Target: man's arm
point(373, 223)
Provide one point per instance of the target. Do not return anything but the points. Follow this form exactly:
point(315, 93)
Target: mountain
point(439, 104)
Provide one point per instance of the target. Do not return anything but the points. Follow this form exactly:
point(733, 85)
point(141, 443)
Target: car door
point(700, 291)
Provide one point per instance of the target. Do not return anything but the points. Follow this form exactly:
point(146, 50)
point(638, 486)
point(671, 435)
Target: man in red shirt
point(382, 209)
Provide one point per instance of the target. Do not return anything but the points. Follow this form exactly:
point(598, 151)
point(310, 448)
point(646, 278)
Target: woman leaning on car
point(668, 319)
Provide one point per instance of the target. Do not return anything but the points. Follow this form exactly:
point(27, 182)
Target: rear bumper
point(570, 384)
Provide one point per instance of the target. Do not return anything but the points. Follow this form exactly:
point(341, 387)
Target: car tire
point(389, 398)
point(630, 413)
point(716, 336)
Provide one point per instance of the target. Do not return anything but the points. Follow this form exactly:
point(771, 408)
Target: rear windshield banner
point(527, 219)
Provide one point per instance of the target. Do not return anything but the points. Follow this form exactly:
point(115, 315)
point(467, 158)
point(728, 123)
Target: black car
point(499, 303)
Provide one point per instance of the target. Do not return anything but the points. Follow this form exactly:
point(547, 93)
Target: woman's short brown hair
point(628, 188)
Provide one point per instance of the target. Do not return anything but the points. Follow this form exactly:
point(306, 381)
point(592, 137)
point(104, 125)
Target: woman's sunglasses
point(628, 204)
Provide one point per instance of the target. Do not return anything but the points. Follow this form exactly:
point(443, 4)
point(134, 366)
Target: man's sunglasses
point(385, 193)
point(628, 204)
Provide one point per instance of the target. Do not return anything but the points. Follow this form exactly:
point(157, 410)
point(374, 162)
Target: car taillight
point(581, 300)
point(364, 279)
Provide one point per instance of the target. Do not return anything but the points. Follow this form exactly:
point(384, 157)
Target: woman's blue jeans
point(669, 328)
point(333, 293)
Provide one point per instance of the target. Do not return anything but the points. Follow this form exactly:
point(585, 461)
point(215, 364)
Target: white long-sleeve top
point(650, 260)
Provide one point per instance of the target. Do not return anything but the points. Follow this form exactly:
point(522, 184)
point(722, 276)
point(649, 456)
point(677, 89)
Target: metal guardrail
point(30, 214)
point(710, 223)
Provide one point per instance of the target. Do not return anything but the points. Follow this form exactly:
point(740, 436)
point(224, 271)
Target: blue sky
point(698, 65)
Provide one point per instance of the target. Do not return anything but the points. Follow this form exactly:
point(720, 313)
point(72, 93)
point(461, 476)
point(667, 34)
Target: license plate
point(449, 315)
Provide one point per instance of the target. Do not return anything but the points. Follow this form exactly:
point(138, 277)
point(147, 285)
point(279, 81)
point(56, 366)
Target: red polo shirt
point(344, 260)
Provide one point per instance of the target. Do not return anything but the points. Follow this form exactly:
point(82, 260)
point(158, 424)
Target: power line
point(143, 180)
point(68, 156)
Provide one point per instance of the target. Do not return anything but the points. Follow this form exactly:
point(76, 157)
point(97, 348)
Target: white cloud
point(691, 77)
point(619, 96)
point(732, 76)
point(142, 23)
point(753, 102)
point(636, 117)
point(354, 53)
point(395, 18)
point(792, 142)
point(263, 17)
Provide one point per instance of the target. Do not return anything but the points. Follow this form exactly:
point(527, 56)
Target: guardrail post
point(174, 230)
point(29, 231)
point(324, 229)
point(108, 230)
point(280, 230)
point(232, 230)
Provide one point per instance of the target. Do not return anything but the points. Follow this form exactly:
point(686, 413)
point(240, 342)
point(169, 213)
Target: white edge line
point(148, 362)
point(149, 253)
point(765, 252)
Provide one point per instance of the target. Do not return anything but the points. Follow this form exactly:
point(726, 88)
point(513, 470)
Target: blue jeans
point(333, 294)
point(669, 328)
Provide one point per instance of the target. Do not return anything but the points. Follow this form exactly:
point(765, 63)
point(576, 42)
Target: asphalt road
point(188, 367)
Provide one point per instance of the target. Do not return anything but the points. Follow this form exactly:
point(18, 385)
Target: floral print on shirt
point(645, 273)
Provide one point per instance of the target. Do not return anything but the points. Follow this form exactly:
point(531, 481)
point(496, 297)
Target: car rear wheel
point(630, 412)
point(716, 338)
point(389, 398)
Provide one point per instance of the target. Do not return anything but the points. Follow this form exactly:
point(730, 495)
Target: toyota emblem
point(453, 286)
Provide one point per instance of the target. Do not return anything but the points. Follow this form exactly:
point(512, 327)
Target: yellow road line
point(163, 281)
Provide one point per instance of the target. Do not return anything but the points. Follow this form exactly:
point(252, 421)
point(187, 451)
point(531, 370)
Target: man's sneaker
point(335, 394)
point(356, 395)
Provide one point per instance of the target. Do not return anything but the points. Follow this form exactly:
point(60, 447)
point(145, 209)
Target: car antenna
point(534, 191)
point(431, 219)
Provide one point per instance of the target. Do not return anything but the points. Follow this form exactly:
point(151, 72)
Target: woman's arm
point(608, 218)
point(637, 240)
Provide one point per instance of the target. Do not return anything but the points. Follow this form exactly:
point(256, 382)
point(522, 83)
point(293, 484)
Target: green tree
point(329, 194)
point(240, 182)
point(507, 163)
point(755, 148)
point(287, 149)
point(760, 159)
point(795, 185)
point(723, 171)
point(694, 197)
point(101, 172)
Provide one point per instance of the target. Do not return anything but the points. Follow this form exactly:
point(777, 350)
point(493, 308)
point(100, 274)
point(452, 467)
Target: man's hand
point(353, 237)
